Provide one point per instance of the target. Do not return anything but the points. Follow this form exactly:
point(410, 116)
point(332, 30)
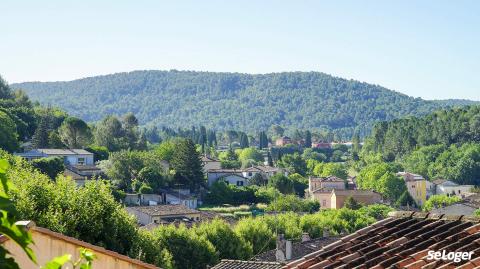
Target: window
point(81, 161)
point(324, 202)
point(239, 183)
point(249, 174)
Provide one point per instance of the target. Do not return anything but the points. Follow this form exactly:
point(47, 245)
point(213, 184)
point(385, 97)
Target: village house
point(330, 182)
point(70, 156)
point(448, 187)
point(163, 213)
point(417, 186)
point(49, 245)
point(335, 198)
point(282, 141)
point(231, 176)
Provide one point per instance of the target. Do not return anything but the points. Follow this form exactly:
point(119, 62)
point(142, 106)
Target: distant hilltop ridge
point(224, 101)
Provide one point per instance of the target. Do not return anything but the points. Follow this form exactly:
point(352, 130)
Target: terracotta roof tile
point(235, 264)
point(401, 241)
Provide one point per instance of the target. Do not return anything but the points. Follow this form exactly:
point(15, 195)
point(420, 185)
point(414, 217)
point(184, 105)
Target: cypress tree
point(308, 139)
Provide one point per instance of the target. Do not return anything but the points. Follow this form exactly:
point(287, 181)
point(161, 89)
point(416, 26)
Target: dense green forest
point(443, 144)
point(224, 101)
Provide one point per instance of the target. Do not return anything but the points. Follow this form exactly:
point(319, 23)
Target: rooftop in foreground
point(401, 241)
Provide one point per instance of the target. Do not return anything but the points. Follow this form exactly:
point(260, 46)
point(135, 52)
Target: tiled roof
point(234, 264)
point(165, 210)
point(401, 241)
point(65, 151)
point(354, 192)
point(299, 249)
point(327, 179)
point(208, 159)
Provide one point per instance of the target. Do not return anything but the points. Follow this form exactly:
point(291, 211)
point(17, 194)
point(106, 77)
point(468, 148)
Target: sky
point(428, 49)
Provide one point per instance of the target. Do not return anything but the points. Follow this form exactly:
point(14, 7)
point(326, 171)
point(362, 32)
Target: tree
point(269, 159)
point(51, 166)
point(100, 153)
point(243, 140)
point(330, 169)
point(405, 200)
point(351, 203)
point(294, 163)
point(277, 130)
point(187, 164)
point(282, 183)
point(74, 133)
point(8, 133)
point(109, 133)
point(308, 139)
point(228, 243)
point(40, 137)
point(381, 178)
point(188, 250)
point(262, 140)
point(256, 233)
point(5, 91)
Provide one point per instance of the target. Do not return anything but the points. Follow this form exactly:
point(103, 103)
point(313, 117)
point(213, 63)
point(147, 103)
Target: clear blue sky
point(428, 49)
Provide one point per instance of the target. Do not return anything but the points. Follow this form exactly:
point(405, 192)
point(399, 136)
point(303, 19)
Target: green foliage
point(437, 201)
point(256, 233)
point(282, 183)
point(223, 193)
point(100, 153)
point(250, 154)
point(294, 163)
point(8, 133)
point(8, 216)
point(75, 133)
point(187, 164)
point(351, 203)
point(330, 169)
point(232, 101)
point(399, 137)
point(85, 260)
point(188, 249)
point(286, 203)
point(405, 200)
point(381, 177)
point(228, 244)
point(51, 166)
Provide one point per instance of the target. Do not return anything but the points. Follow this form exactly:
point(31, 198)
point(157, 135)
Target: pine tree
point(308, 139)
point(40, 137)
point(269, 158)
point(187, 164)
point(243, 140)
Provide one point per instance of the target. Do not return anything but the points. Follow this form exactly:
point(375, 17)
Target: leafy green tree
point(75, 133)
point(294, 163)
point(256, 233)
point(100, 153)
point(250, 154)
point(330, 169)
point(282, 183)
point(51, 166)
point(293, 203)
point(109, 133)
point(188, 250)
point(228, 244)
point(5, 91)
point(187, 164)
point(8, 133)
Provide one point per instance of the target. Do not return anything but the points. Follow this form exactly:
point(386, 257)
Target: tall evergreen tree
point(187, 164)
point(40, 137)
point(308, 139)
point(243, 140)
point(269, 158)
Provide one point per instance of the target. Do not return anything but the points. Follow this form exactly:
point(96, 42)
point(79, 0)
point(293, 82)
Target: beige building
point(331, 182)
point(335, 198)
point(49, 244)
point(163, 213)
point(417, 186)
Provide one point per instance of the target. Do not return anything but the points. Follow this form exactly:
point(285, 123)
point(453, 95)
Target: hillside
point(233, 101)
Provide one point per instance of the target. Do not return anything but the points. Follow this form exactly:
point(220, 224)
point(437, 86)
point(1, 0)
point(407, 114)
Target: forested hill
point(303, 100)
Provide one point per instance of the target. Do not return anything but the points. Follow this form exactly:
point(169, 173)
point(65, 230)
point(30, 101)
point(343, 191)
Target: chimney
point(306, 237)
point(281, 248)
point(288, 250)
point(326, 233)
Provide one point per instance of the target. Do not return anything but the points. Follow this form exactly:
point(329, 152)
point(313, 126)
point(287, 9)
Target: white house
point(70, 156)
point(448, 187)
